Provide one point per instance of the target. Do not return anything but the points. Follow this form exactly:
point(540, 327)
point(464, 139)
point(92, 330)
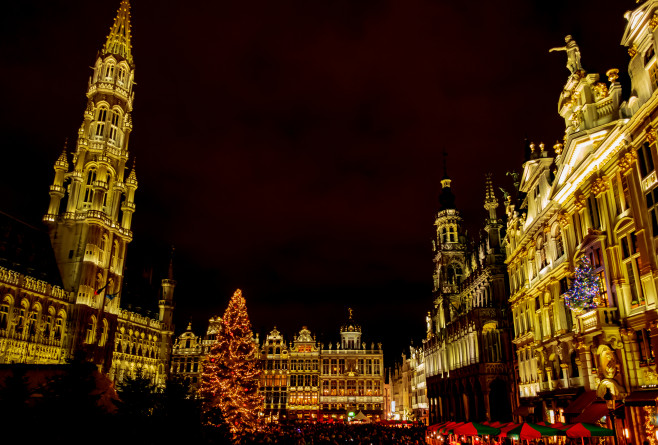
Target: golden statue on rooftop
point(573, 54)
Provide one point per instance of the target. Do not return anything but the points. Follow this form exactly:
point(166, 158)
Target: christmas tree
point(229, 383)
point(584, 291)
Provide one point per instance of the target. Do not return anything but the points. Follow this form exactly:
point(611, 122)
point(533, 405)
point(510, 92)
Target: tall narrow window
point(652, 208)
point(109, 71)
point(101, 117)
point(48, 328)
point(89, 191)
point(59, 323)
point(615, 192)
point(4, 316)
point(644, 160)
point(91, 331)
point(593, 208)
point(577, 227)
point(121, 76)
point(114, 127)
point(559, 244)
point(631, 260)
point(626, 191)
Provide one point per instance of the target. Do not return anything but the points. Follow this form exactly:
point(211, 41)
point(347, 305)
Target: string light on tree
point(584, 291)
point(229, 382)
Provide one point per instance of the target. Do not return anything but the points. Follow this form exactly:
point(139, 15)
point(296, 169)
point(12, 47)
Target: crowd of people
point(337, 434)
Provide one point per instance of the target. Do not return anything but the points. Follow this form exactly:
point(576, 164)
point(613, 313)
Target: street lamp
point(610, 403)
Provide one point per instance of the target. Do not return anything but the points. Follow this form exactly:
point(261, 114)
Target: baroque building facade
point(352, 375)
point(595, 195)
point(302, 379)
point(76, 309)
point(467, 355)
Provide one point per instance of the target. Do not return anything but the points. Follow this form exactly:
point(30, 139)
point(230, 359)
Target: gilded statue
point(573, 54)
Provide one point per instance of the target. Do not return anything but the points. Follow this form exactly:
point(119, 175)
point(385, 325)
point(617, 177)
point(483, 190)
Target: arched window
point(48, 328)
point(59, 326)
point(4, 314)
point(22, 314)
point(91, 331)
point(121, 76)
point(114, 127)
point(104, 333)
point(109, 71)
point(32, 321)
point(559, 243)
point(101, 117)
point(89, 191)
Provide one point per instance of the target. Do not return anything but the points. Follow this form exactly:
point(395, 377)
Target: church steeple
point(92, 198)
point(118, 41)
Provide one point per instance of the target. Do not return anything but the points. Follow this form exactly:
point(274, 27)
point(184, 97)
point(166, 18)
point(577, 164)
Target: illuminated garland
point(584, 291)
point(229, 382)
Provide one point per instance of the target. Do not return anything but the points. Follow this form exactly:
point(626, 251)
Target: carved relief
point(600, 185)
point(580, 202)
point(632, 51)
point(654, 21)
point(608, 361)
point(563, 219)
point(600, 90)
point(627, 161)
point(650, 134)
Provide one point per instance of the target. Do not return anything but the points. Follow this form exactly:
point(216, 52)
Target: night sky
point(293, 149)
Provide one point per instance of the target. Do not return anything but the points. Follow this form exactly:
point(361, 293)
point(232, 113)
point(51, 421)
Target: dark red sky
point(293, 148)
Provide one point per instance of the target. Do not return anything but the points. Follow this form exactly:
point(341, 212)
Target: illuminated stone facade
point(352, 375)
point(467, 355)
point(302, 380)
point(304, 377)
point(274, 357)
point(190, 350)
point(594, 196)
point(401, 394)
point(89, 221)
point(186, 357)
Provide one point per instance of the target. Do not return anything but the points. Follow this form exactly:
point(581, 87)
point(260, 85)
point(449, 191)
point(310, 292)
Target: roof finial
point(170, 273)
point(118, 41)
point(445, 165)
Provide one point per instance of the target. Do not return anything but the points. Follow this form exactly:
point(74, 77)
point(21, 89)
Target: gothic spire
point(118, 41)
point(490, 196)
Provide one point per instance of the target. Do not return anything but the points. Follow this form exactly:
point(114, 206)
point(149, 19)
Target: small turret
point(166, 304)
point(493, 225)
point(350, 333)
point(57, 190)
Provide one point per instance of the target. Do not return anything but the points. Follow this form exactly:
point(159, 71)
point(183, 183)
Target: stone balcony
point(597, 319)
